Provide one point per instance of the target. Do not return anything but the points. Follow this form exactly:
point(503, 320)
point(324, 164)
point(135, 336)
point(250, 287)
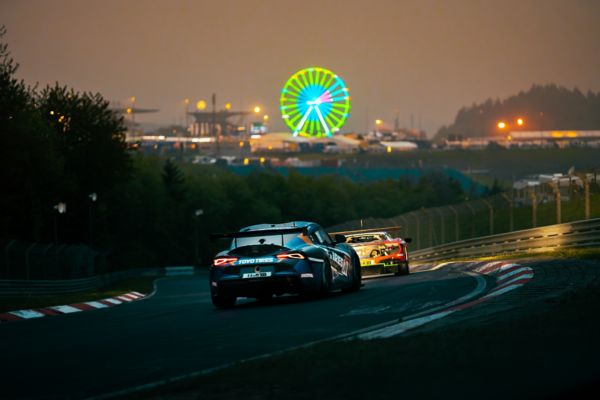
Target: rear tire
point(403, 269)
point(356, 276)
point(221, 301)
point(325, 279)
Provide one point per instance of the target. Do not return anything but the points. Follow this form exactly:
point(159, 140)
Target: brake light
point(217, 262)
point(295, 256)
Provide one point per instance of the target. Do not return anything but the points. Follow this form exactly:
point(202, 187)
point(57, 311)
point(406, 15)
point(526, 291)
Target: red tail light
point(217, 262)
point(295, 256)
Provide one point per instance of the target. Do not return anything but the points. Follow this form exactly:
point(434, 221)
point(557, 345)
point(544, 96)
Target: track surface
point(177, 331)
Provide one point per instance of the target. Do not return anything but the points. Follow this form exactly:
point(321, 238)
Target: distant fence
point(23, 260)
point(570, 235)
point(554, 202)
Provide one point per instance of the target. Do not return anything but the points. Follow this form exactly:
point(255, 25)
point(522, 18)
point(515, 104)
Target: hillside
point(541, 107)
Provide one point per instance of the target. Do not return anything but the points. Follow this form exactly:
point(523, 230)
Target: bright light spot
point(129, 110)
point(51, 112)
point(255, 136)
point(161, 137)
point(241, 144)
point(246, 161)
point(262, 160)
point(270, 147)
point(389, 149)
point(285, 116)
point(257, 109)
point(201, 105)
point(501, 125)
point(228, 106)
point(520, 121)
point(266, 117)
point(378, 122)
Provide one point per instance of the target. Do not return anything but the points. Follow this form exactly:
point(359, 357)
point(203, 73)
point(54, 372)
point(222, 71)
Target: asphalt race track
point(177, 331)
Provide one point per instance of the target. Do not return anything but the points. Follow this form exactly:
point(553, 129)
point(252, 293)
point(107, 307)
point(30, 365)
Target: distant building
point(544, 187)
point(564, 138)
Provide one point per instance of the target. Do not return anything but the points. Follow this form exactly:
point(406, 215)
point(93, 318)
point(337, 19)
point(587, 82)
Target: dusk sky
point(426, 58)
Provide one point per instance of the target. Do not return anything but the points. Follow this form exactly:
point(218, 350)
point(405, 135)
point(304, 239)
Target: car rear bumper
point(254, 287)
point(388, 262)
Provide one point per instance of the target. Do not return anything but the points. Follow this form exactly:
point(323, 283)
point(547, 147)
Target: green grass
point(508, 356)
point(142, 284)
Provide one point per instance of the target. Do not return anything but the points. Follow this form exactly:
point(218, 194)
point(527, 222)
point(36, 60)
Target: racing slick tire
point(221, 301)
point(324, 273)
point(356, 276)
point(403, 269)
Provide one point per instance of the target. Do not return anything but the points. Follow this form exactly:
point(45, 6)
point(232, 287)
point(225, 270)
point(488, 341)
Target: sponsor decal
point(343, 262)
point(246, 261)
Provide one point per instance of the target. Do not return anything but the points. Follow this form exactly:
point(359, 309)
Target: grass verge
point(549, 350)
point(141, 284)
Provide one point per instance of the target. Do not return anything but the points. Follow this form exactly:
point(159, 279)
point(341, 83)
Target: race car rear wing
point(388, 229)
point(258, 232)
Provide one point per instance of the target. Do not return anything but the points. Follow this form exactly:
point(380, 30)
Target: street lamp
point(186, 110)
point(520, 121)
point(131, 110)
point(199, 212)
point(228, 106)
point(201, 105)
point(378, 122)
point(501, 125)
point(256, 109)
point(61, 208)
point(93, 198)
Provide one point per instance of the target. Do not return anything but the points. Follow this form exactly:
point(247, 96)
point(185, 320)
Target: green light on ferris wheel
point(314, 102)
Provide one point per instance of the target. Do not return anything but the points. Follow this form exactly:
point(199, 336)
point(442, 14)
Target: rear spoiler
point(259, 232)
point(389, 228)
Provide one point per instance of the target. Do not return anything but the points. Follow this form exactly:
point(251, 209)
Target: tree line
point(542, 107)
point(154, 216)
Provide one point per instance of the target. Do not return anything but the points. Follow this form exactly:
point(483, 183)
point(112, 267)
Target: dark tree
point(174, 181)
point(30, 164)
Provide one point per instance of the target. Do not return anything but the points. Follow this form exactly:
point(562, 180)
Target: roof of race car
point(286, 225)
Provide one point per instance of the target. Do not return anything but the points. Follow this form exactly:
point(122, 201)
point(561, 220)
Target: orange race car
point(381, 249)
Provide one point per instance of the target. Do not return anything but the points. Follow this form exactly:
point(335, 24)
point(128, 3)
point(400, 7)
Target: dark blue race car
point(295, 257)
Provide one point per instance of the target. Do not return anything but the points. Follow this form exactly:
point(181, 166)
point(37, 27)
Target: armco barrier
point(575, 234)
point(21, 287)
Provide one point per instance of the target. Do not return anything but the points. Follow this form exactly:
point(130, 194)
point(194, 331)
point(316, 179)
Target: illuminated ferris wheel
point(315, 102)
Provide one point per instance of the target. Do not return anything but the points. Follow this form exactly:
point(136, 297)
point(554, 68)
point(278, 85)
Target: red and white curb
point(70, 308)
point(508, 277)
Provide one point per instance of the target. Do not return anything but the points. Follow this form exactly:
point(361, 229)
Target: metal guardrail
point(21, 287)
point(584, 233)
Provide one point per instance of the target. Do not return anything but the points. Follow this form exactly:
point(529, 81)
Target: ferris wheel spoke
point(304, 118)
point(332, 121)
point(325, 127)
